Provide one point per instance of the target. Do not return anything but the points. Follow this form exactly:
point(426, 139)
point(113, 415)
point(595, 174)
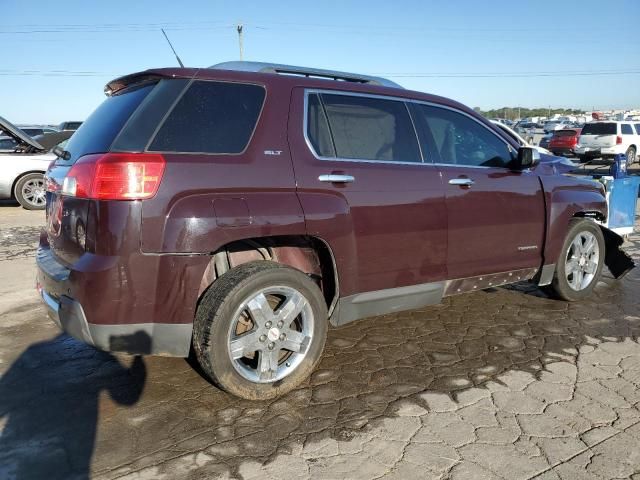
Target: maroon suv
point(241, 208)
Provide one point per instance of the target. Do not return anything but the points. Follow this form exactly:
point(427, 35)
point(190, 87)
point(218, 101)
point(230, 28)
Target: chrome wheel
point(583, 258)
point(33, 192)
point(270, 334)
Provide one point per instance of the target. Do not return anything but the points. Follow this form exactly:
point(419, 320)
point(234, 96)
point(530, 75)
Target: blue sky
point(479, 52)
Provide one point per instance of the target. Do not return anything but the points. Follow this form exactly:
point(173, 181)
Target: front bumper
point(55, 287)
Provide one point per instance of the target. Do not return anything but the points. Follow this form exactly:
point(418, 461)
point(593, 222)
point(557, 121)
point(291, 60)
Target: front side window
point(211, 117)
point(638, 128)
point(456, 139)
point(626, 129)
point(366, 128)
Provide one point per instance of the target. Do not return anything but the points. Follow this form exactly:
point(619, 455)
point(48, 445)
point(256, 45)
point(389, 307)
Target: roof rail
point(262, 67)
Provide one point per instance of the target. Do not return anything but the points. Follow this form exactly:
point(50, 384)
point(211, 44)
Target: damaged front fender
point(617, 261)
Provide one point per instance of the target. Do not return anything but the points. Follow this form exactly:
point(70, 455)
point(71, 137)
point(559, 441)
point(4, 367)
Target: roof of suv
point(284, 76)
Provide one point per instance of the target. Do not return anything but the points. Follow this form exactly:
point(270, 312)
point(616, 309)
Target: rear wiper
point(61, 152)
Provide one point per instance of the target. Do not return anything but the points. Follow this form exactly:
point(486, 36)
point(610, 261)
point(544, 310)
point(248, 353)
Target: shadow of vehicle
point(49, 407)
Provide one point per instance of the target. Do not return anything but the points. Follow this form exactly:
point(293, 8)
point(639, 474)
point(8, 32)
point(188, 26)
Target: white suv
point(606, 139)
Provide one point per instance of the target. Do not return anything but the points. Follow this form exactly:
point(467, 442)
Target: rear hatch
point(598, 135)
point(564, 138)
point(69, 226)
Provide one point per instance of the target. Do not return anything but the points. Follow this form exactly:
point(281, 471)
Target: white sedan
point(22, 170)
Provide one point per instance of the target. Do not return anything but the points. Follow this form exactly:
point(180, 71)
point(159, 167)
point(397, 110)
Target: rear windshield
point(565, 133)
point(211, 117)
point(96, 134)
point(599, 129)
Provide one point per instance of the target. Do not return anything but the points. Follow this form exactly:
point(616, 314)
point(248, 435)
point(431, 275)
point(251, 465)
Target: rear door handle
point(462, 182)
point(333, 178)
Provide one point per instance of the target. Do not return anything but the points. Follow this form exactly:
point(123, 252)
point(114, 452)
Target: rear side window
point(97, 133)
point(600, 129)
point(211, 117)
point(626, 129)
point(638, 128)
point(365, 128)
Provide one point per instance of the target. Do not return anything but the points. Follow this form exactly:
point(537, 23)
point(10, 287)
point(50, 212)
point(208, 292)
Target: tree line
point(513, 113)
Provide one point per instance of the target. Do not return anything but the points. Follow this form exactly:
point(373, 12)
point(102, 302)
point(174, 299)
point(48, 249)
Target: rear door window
point(600, 129)
point(211, 117)
point(373, 129)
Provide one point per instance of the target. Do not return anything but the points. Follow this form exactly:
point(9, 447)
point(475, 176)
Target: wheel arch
point(308, 254)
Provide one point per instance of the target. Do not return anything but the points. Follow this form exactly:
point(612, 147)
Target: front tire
point(260, 329)
point(580, 263)
point(30, 191)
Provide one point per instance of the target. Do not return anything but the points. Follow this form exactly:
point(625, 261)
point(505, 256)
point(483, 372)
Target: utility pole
point(239, 29)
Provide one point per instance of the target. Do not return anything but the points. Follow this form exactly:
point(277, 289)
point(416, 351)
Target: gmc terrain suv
point(239, 209)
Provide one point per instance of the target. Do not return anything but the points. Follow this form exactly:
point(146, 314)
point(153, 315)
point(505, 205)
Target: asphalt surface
point(499, 384)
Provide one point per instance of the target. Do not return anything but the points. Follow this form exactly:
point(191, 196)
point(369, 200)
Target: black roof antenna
point(172, 49)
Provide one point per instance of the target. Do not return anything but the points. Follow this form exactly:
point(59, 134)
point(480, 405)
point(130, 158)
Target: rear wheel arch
point(310, 255)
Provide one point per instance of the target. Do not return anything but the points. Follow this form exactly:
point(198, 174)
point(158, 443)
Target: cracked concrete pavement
point(499, 384)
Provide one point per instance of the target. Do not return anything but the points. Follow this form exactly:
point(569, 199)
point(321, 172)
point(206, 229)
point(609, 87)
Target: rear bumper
point(56, 288)
point(597, 152)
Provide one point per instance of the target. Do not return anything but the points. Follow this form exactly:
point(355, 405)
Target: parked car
point(22, 168)
point(242, 208)
point(608, 138)
point(35, 130)
point(563, 142)
point(515, 136)
point(545, 140)
point(69, 126)
point(553, 125)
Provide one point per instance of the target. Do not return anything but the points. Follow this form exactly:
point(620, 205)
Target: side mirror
point(528, 157)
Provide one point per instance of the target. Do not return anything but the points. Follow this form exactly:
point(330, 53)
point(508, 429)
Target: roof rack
point(262, 67)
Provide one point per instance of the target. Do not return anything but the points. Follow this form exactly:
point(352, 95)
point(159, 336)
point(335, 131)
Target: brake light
point(618, 140)
point(115, 176)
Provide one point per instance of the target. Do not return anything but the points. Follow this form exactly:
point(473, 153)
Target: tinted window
point(318, 128)
point(638, 128)
point(211, 117)
point(371, 128)
point(599, 129)
point(97, 133)
point(458, 140)
point(626, 129)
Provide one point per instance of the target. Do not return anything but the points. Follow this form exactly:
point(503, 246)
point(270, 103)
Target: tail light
point(618, 140)
point(115, 176)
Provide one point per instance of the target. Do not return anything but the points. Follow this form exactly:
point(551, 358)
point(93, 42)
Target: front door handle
point(334, 178)
point(462, 182)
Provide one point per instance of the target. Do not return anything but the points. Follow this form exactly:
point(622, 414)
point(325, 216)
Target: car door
point(496, 216)
point(365, 190)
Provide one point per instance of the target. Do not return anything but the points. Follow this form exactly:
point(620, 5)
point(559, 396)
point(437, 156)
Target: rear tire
point(580, 262)
point(260, 329)
point(30, 191)
point(631, 156)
